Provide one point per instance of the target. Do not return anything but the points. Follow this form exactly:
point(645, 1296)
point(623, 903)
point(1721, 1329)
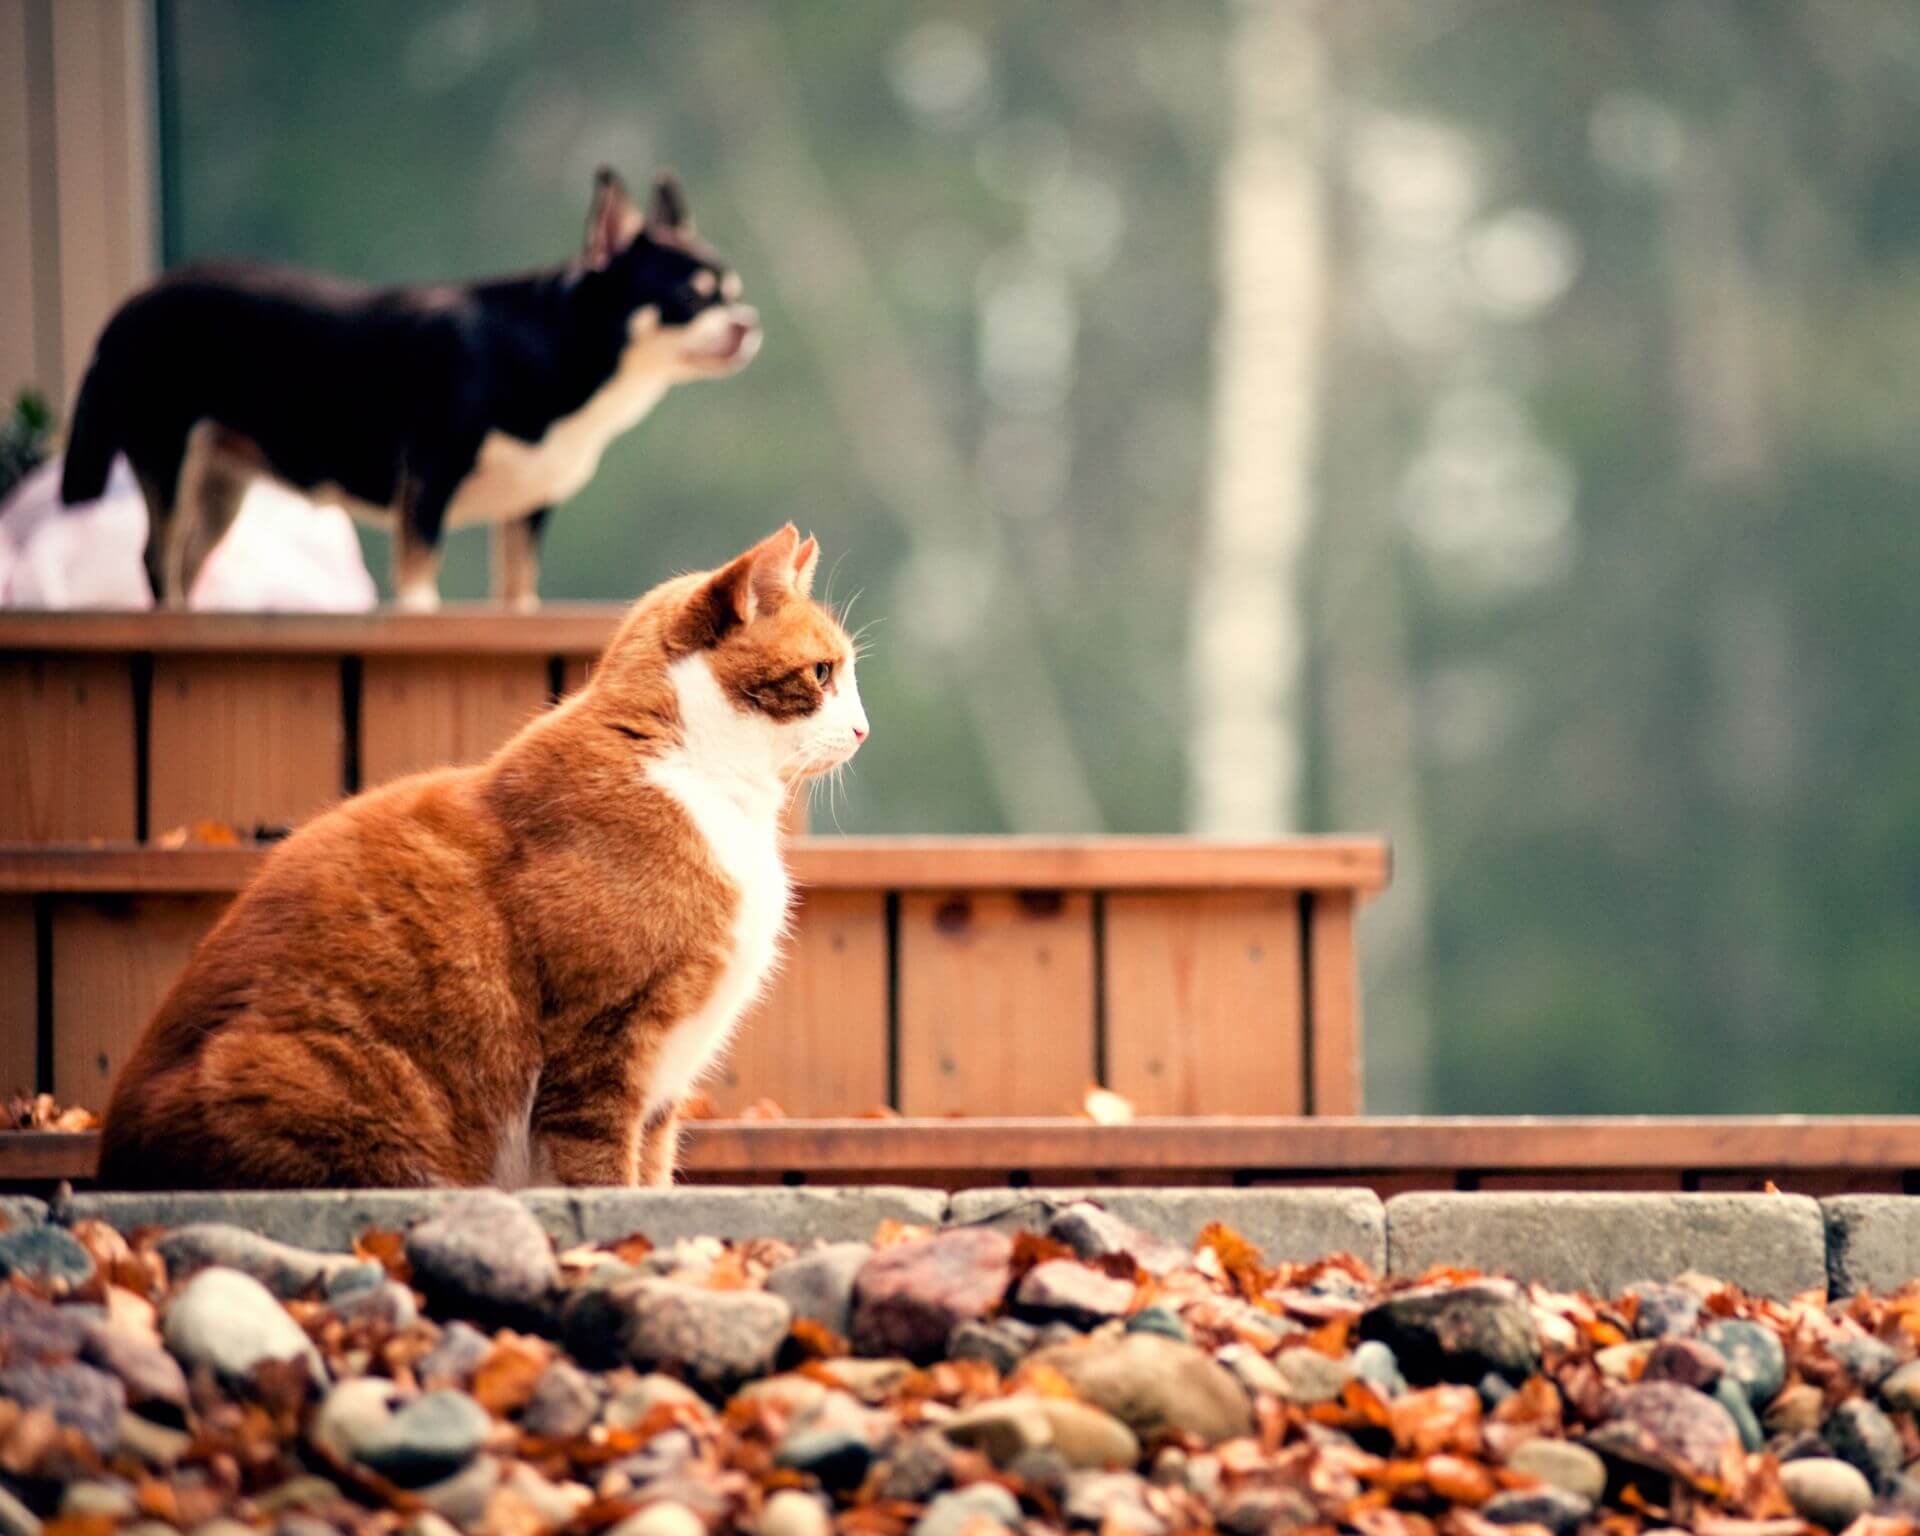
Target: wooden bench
point(926, 976)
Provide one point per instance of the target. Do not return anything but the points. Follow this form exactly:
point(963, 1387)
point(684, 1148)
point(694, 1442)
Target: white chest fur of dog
point(725, 777)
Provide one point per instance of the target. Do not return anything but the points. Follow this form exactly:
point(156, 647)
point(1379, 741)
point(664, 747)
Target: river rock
point(453, 1360)
point(351, 1414)
point(793, 1513)
point(1266, 1512)
point(1826, 1490)
point(1373, 1362)
point(427, 1441)
point(564, 1404)
point(1563, 1464)
point(1161, 1320)
point(1665, 1311)
point(78, 1396)
point(15, 1518)
point(1003, 1342)
point(1672, 1429)
point(151, 1376)
point(1753, 1355)
point(1153, 1384)
point(463, 1498)
point(713, 1337)
point(818, 1284)
point(1307, 1376)
point(1901, 1389)
point(634, 1400)
point(1093, 1234)
point(1623, 1362)
point(285, 1270)
point(1867, 1360)
point(1796, 1410)
point(1687, 1361)
point(33, 1331)
point(1729, 1394)
point(1001, 1428)
point(1862, 1434)
point(965, 1510)
point(485, 1254)
point(44, 1252)
point(1111, 1502)
point(1456, 1332)
point(1067, 1291)
point(1558, 1510)
point(909, 1298)
point(231, 1322)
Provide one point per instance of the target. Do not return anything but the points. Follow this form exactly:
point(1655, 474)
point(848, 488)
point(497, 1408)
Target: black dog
point(428, 407)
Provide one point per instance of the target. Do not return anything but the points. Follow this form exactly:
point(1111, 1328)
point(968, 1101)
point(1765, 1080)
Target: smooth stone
point(363, 1275)
point(1161, 1320)
point(1558, 1510)
point(1001, 1428)
point(908, 1299)
point(1111, 1502)
point(1373, 1362)
point(1862, 1434)
point(1494, 1389)
point(818, 1284)
point(352, 1414)
point(793, 1395)
point(15, 1518)
point(1003, 1343)
point(564, 1404)
point(1670, 1428)
point(44, 1252)
point(1094, 1233)
point(297, 1522)
point(285, 1270)
point(838, 1454)
point(78, 1396)
point(1687, 1361)
point(1867, 1360)
point(1729, 1394)
point(630, 1404)
point(1255, 1371)
point(147, 1371)
point(232, 1323)
point(960, 1512)
point(714, 1337)
point(155, 1444)
point(1753, 1355)
point(868, 1380)
point(1153, 1384)
point(428, 1440)
point(35, 1332)
point(1901, 1390)
point(1797, 1409)
point(793, 1513)
point(110, 1501)
point(390, 1303)
point(1665, 1311)
point(665, 1518)
point(1563, 1464)
point(1044, 1469)
point(555, 1503)
point(1827, 1491)
point(1088, 1437)
point(486, 1254)
point(454, 1359)
point(1456, 1332)
point(1067, 1290)
point(300, 1493)
point(463, 1498)
point(918, 1468)
point(1309, 1376)
point(1618, 1362)
point(1266, 1512)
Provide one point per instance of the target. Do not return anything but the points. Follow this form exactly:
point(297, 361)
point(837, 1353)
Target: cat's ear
point(806, 559)
point(742, 589)
point(668, 209)
point(614, 221)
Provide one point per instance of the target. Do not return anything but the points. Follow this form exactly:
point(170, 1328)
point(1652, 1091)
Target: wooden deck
point(1797, 1154)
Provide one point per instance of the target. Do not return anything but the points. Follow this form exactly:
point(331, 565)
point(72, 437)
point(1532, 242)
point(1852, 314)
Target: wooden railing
point(981, 976)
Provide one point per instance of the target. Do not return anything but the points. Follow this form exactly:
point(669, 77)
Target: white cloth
point(284, 554)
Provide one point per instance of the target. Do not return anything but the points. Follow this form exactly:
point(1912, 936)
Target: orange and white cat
point(515, 972)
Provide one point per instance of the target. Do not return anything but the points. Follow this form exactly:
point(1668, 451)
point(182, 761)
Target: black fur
point(386, 393)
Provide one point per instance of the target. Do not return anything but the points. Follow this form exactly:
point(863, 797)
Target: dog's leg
point(224, 479)
point(419, 521)
point(516, 561)
point(159, 526)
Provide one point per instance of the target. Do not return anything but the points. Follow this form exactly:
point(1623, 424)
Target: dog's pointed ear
point(614, 221)
point(806, 560)
point(668, 207)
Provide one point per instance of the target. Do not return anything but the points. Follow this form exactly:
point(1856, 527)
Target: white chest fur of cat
point(726, 778)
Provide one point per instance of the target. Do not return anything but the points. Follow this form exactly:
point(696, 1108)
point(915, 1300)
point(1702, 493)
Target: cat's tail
point(93, 441)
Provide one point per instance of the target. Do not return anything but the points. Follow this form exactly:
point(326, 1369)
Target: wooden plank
point(45, 1156)
point(1203, 1002)
point(67, 754)
point(423, 712)
point(112, 963)
point(459, 629)
point(818, 863)
point(19, 996)
point(1333, 992)
point(996, 1003)
point(818, 1045)
point(249, 741)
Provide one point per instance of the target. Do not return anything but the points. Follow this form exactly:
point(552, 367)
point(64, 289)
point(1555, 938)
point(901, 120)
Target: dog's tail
point(93, 441)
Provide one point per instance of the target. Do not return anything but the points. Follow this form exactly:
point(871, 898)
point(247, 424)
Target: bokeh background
point(1484, 422)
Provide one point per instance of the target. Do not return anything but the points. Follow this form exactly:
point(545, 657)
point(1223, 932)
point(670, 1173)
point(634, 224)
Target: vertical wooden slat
point(19, 996)
point(112, 963)
point(1203, 1002)
point(818, 1044)
point(424, 711)
point(1334, 991)
point(996, 1003)
point(67, 754)
point(246, 740)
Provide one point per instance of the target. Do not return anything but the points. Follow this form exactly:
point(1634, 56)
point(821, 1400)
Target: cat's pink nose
point(859, 733)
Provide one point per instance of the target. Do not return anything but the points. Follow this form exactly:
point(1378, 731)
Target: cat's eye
point(822, 672)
